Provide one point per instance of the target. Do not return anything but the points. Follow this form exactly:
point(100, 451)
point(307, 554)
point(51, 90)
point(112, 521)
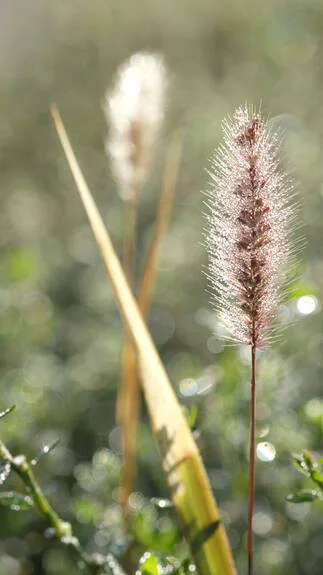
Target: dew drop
point(266, 451)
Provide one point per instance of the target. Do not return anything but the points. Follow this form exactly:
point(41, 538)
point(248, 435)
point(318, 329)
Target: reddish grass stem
point(252, 458)
point(249, 243)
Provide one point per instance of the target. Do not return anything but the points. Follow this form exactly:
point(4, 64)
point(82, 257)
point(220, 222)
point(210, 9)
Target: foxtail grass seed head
point(251, 218)
point(134, 110)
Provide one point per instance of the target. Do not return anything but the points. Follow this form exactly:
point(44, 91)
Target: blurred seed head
point(251, 218)
point(134, 110)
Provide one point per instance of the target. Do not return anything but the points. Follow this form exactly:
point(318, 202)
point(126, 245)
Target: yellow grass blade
point(186, 475)
point(128, 402)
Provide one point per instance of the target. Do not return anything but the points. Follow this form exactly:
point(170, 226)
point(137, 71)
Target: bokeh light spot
point(307, 304)
point(188, 387)
point(262, 523)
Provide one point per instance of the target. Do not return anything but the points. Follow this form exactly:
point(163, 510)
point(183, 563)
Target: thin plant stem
point(170, 177)
point(252, 458)
point(63, 530)
point(130, 236)
point(129, 266)
point(129, 263)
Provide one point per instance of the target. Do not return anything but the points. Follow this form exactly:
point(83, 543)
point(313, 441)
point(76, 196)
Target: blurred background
point(60, 331)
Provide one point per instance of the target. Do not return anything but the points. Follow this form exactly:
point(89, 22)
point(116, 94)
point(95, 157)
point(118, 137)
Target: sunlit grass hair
point(251, 219)
point(252, 210)
point(134, 110)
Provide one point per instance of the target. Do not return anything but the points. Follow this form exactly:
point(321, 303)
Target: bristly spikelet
point(134, 110)
point(250, 222)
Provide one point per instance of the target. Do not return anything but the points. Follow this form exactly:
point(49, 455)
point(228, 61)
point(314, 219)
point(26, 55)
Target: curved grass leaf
point(317, 477)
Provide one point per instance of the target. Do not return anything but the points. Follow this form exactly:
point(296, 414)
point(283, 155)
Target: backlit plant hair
point(251, 212)
point(134, 110)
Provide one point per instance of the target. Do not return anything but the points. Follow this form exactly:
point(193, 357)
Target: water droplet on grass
point(266, 451)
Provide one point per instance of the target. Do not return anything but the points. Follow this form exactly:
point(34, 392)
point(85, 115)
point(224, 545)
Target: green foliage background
point(60, 332)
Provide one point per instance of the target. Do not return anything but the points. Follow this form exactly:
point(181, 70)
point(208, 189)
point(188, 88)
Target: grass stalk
point(130, 238)
point(129, 266)
point(252, 459)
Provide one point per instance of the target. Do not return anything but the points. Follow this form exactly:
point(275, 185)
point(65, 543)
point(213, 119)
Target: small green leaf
point(16, 501)
point(298, 460)
point(304, 462)
point(317, 477)
point(148, 564)
point(308, 460)
point(192, 416)
point(7, 411)
point(303, 495)
point(4, 472)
